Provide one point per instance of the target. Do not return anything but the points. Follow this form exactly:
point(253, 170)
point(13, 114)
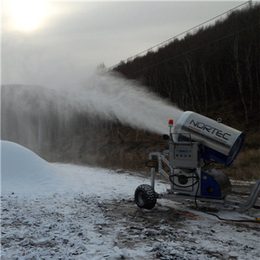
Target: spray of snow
point(106, 95)
point(115, 97)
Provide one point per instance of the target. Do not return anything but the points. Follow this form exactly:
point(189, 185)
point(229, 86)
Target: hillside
point(216, 68)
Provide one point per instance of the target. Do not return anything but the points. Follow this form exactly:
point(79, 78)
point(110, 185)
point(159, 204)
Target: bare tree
point(238, 76)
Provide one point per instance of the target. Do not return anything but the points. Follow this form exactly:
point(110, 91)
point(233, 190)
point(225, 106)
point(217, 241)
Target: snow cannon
point(217, 141)
point(196, 144)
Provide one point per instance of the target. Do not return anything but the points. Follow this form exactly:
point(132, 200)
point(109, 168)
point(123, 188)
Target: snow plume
point(32, 110)
point(115, 97)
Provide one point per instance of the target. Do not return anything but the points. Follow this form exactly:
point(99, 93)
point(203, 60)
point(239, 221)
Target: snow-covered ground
point(62, 211)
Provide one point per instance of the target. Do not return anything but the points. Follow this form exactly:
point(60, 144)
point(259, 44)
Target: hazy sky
point(62, 43)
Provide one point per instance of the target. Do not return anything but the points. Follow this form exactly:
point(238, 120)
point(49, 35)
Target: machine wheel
point(145, 196)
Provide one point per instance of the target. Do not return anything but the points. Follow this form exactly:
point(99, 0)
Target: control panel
point(183, 154)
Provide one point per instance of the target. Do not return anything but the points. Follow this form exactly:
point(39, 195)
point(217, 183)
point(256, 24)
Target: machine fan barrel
point(218, 141)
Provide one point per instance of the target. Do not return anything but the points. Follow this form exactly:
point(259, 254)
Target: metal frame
point(171, 193)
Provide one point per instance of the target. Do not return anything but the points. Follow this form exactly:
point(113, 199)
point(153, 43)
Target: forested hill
point(214, 71)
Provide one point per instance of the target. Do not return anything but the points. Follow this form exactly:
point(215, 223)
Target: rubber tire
point(145, 196)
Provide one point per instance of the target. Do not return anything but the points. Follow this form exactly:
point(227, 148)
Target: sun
point(27, 14)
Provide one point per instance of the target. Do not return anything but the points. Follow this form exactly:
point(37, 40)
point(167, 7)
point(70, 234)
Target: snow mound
point(23, 172)
point(22, 169)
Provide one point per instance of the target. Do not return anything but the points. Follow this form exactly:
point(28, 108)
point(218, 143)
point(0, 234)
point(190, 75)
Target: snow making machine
point(194, 142)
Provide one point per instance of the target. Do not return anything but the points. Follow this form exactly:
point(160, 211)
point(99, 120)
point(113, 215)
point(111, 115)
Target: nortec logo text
point(209, 129)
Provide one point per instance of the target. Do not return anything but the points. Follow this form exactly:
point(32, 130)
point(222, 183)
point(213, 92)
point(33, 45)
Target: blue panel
point(209, 186)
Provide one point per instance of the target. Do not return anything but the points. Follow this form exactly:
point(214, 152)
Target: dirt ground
point(171, 230)
point(98, 226)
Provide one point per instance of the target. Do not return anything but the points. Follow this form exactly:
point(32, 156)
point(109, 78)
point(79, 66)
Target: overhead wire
point(192, 50)
point(174, 37)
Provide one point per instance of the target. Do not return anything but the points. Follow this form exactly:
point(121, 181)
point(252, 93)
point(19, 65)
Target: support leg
point(152, 177)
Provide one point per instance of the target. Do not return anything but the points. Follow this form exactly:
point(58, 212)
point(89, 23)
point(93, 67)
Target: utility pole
point(250, 3)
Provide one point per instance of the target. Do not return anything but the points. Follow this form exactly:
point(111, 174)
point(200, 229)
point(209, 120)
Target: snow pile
point(54, 211)
point(23, 170)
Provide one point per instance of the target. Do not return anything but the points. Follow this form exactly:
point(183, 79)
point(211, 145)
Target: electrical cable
point(197, 191)
point(215, 215)
point(188, 177)
point(232, 220)
point(206, 212)
point(244, 222)
point(222, 219)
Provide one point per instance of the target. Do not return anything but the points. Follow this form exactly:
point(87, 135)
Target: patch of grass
point(246, 166)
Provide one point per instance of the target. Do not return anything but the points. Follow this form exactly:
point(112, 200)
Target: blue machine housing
point(215, 184)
